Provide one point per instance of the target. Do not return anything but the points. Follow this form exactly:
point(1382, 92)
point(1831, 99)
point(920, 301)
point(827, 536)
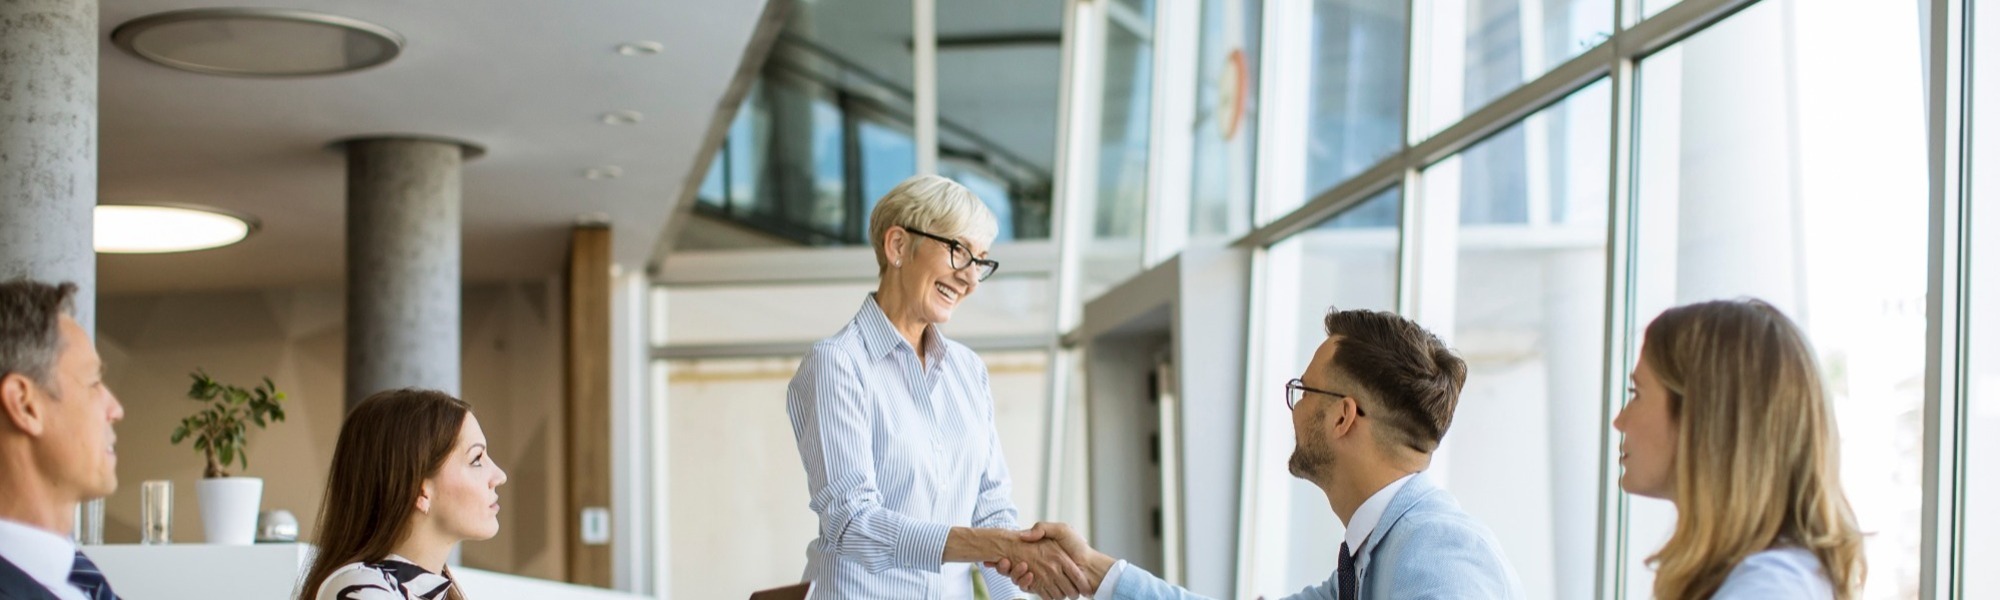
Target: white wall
point(738, 506)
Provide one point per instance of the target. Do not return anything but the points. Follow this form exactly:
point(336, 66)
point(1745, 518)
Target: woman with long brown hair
point(1728, 418)
point(411, 478)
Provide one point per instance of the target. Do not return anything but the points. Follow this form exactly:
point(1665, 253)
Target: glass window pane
point(1756, 178)
point(1529, 321)
point(999, 70)
point(1348, 261)
point(713, 192)
point(808, 160)
point(888, 156)
point(1357, 91)
point(749, 140)
point(1114, 249)
point(1981, 534)
point(1653, 7)
point(990, 191)
point(1225, 121)
point(1479, 50)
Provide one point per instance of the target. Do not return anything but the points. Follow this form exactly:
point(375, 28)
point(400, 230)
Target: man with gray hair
point(56, 443)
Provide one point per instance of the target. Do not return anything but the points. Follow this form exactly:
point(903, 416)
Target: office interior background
point(1183, 186)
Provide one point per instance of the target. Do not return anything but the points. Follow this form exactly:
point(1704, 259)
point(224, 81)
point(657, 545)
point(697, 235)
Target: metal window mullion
point(1620, 281)
point(1170, 146)
point(1248, 488)
point(1077, 119)
point(1280, 169)
point(1672, 25)
point(1949, 122)
point(924, 48)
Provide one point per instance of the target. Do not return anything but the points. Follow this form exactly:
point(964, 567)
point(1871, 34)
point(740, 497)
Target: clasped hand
point(1053, 561)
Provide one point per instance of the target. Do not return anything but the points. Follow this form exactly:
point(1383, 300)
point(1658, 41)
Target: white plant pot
point(229, 509)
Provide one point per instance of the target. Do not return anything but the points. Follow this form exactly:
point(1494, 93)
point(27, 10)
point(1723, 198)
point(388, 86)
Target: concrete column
point(403, 264)
point(48, 144)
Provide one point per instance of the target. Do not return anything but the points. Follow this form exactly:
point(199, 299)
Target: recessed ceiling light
point(645, 48)
point(623, 117)
point(127, 229)
point(604, 172)
point(258, 42)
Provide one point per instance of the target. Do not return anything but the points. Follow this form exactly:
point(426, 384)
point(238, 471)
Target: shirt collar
point(1362, 525)
point(44, 555)
point(880, 336)
point(417, 580)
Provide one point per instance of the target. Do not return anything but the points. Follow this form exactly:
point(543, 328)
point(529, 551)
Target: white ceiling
point(527, 79)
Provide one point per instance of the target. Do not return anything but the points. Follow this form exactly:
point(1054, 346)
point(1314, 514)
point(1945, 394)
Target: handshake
point(1051, 560)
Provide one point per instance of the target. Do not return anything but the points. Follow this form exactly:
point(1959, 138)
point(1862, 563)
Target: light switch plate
point(596, 525)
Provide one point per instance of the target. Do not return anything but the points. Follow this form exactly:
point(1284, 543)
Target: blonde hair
point(934, 205)
point(1758, 461)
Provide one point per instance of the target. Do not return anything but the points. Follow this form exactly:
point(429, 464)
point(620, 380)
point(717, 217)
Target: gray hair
point(31, 327)
point(934, 205)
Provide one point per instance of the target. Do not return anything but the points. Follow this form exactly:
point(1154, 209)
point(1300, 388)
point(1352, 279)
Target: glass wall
point(1225, 121)
point(1529, 321)
point(828, 129)
point(1348, 261)
point(1757, 178)
point(1981, 533)
point(999, 77)
point(1477, 50)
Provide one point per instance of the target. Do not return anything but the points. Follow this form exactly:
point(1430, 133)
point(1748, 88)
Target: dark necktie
point(84, 575)
point(1350, 584)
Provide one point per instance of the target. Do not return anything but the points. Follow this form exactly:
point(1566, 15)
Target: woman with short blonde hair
point(1728, 418)
point(895, 423)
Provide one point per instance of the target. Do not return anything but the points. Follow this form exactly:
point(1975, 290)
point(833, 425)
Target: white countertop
point(273, 571)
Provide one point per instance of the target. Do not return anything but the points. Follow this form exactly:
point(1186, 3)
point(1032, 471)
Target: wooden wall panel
point(587, 403)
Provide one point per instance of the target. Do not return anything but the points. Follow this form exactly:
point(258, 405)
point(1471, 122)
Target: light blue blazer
point(1428, 548)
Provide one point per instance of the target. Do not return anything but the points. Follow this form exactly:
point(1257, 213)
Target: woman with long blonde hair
point(1728, 418)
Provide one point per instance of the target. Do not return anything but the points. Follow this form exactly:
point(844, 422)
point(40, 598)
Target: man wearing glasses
point(1368, 412)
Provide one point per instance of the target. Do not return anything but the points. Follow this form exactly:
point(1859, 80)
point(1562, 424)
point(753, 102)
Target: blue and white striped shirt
point(896, 453)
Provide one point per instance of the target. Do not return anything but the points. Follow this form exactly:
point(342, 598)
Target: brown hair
point(1413, 377)
point(1758, 455)
point(30, 327)
point(389, 444)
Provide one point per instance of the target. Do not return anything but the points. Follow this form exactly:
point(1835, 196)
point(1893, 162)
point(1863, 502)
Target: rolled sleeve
point(831, 421)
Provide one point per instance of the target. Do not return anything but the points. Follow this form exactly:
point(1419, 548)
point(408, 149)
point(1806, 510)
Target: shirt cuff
point(1110, 584)
point(920, 545)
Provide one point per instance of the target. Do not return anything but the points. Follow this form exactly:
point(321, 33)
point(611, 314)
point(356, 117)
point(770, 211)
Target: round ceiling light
point(128, 229)
point(258, 42)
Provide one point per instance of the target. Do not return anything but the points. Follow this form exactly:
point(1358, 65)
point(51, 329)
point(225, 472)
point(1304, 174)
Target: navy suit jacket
point(1428, 549)
point(17, 585)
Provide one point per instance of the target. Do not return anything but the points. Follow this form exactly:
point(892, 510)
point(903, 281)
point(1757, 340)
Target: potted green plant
point(221, 433)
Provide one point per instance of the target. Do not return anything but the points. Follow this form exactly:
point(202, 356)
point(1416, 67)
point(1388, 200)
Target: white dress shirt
point(1359, 538)
point(44, 555)
point(897, 451)
point(1361, 527)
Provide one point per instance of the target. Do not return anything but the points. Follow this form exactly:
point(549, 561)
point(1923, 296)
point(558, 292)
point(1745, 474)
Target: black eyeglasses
point(1296, 389)
point(961, 256)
